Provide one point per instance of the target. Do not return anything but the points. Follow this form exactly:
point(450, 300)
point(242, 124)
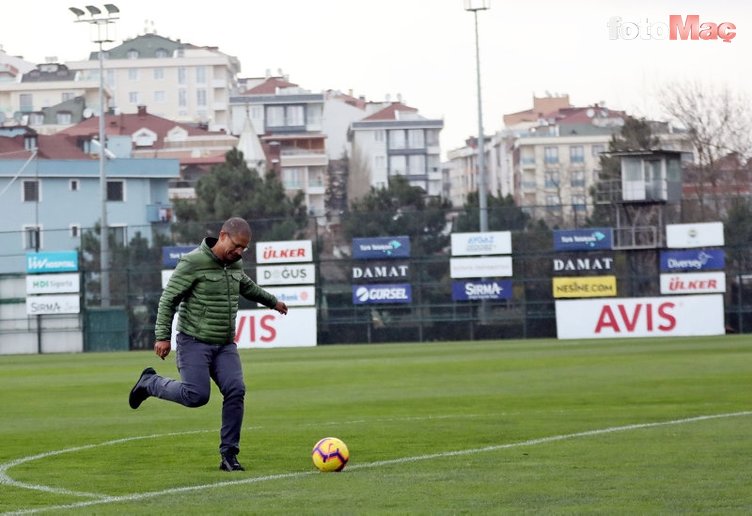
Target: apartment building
point(462, 164)
point(395, 140)
point(179, 81)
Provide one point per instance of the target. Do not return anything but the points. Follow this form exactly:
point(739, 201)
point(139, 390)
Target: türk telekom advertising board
point(670, 316)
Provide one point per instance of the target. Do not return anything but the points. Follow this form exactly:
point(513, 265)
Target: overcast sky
point(425, 49)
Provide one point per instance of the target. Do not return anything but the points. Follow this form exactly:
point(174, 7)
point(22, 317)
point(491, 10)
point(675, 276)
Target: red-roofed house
point(395, 140)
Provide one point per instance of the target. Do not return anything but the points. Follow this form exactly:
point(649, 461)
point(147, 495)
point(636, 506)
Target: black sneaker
point(139, 393)
point(230, 463)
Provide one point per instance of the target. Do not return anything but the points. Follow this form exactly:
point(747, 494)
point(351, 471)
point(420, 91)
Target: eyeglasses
point(242, 248)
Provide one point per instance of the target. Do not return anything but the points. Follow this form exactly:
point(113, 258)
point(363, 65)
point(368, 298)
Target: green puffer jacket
point(207, 291)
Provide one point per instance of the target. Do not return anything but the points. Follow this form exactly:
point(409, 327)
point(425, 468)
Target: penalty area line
point(369, 465)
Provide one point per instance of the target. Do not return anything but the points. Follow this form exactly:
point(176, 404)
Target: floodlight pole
point(102, 23)
point(474, 6)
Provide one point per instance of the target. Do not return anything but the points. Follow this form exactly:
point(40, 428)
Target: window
point(161, 53)
point(551, 154)
point(115, 190)
point(160, 96)
point(201, 97)
point(182, 75)
point(132, 54)
point(578, 178)
point(553, 201)
point(182, 98)
point(527, 156)
point(314, 114)
point(31, 190)
point(75, 230)
point(551, 179)
point(32, 237)
point(73, 185)
point(119, 234)
point(578, 203)
point(201, 75)
point(576, 154)
point(133, 97)
point(432, 137)
point(158, 74)
point(397, 165)
point(36, 119)
point(416, 165)
point(379, 135)
point(67, 95)
point(397, 139)
point(379, 162)
point(597, 149)
point(292, 178)
point(63, 118)
point(132, 74)
point(256, 112)
point(275, 116)
point(295, 116)
point(25, 102)
point(415, 139)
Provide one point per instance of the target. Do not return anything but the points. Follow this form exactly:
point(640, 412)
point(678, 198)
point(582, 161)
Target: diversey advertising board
point(475, 244)
point(382, 294)
point(379, 248)
point(640, 317)
point(477, 290)
point(51, 261)
point(590, 239)
point(697, 260)
point(288, 251)
point(705, 234)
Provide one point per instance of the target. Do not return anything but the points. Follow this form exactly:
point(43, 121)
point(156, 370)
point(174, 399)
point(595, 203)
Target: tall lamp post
point(100, 23)
point(474, 6)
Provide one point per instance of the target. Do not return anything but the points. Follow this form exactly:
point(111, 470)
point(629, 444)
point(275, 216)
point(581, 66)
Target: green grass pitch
point(648, 426)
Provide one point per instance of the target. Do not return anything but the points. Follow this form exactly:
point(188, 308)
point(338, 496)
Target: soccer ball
point(330, 454)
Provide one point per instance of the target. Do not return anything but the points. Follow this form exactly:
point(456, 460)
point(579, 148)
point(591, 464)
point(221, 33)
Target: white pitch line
point(283, 476)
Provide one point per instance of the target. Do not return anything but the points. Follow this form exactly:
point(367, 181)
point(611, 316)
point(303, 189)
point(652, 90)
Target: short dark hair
point(236, 226)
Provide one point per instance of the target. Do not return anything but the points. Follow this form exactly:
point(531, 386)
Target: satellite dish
point(590, 112)
point(88, 113)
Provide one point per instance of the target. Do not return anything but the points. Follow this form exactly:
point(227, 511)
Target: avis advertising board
point(270, 329)
point(640, 317)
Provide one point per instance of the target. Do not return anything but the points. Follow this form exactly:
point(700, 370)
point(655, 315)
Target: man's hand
point(281, 307)
point(162, 348)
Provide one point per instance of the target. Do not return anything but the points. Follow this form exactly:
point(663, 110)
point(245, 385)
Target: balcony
point(158, 213)
point(294, 157)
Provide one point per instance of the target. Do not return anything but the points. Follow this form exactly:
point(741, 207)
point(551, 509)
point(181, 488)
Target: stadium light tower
point(101, 23)
point(474, 6)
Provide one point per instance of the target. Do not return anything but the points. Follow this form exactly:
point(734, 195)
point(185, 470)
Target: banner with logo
point(49, 305)
point(640, 317)
point(51, 261)
point(382, 294)
point(270, 329)
point(482, 267)
point(53, 283)
point(705, 234)
point(292, 274)
point(583, 263)
point(475, 244)
point(478, 290)
point(380, 248)
point(693, 283)
point(584, 286)
point(289, 251)
point(294, 296)
point(380, 271)
point(171, 255)
point(590, 239)
point(687, 261)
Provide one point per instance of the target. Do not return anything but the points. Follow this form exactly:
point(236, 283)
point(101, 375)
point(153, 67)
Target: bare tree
point(718, 124)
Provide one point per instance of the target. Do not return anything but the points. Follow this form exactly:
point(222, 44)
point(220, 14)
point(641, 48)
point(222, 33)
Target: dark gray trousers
point(198, 362)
